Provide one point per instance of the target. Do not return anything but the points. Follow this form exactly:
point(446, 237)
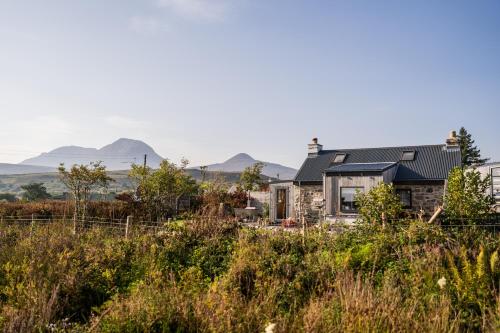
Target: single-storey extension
point(492, 170)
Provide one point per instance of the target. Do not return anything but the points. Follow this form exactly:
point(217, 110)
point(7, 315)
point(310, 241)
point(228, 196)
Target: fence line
point(129, 225)
point(122, 226)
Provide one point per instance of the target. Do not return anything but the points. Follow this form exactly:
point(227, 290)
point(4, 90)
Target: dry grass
point(211, 276)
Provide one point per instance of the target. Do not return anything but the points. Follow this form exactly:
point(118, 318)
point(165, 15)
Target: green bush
point(213, 276)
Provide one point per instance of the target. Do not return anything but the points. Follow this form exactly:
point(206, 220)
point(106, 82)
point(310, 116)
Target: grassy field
point(13, 183)
point(213, 276)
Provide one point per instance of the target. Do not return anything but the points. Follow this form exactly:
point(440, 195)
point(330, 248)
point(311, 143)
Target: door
point(281, 204)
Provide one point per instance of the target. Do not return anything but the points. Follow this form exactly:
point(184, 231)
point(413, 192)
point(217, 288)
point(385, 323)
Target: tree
point(9, 197)
point(35, 192)
point(471, 155)
point(81, 180)
point(203, 172)
point(160, 190)
point(251, 178)
point(466, 196)
point(214, 194)
point(379, 205)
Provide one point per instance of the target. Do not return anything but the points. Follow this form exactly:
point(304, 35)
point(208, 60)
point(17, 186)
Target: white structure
point(492, 170)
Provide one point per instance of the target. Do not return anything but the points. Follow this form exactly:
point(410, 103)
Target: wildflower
point(270, 328)
point(442, 282)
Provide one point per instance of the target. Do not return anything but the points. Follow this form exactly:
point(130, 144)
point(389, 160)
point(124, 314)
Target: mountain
point(19, 169)
point(116, 156)
point(240, 161)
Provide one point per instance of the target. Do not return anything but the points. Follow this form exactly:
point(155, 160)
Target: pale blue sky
point(206, 79)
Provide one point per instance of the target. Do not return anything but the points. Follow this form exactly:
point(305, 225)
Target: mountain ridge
point(240, 161)
point(118, 155)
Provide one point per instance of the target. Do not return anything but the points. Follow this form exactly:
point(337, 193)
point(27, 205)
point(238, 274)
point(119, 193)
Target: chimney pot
point(314, 148)
point(452, 141)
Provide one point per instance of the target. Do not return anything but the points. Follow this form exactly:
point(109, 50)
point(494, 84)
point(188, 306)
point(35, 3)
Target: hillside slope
point(17, 169)
point(13, 183)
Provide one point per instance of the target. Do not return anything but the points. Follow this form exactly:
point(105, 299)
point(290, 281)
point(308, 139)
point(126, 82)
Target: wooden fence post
point(127, 226)
point(32, 224)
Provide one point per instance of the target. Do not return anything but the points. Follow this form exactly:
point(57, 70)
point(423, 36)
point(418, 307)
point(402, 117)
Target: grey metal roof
point(432, 162)
point(360, 167)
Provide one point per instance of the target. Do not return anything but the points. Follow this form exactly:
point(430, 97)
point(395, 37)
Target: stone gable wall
point(426, 197)
point(309, 197)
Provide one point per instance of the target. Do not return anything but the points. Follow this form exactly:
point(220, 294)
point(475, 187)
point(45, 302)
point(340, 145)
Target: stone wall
point(259, 199)
point(426, 197)
point(310, 197)
point(309, 200)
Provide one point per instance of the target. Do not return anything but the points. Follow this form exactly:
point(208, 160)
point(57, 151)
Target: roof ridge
point(367, 163)
point(375, 148)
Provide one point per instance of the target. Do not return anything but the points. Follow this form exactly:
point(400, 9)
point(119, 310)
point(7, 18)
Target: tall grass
point(212, 276)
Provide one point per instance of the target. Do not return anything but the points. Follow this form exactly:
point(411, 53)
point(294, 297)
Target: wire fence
point(492, 219)
point(124, 227)
point(129, 226)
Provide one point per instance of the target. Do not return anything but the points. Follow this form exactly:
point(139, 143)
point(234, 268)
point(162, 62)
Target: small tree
point(251, 178)
point(214, 193)
point(81, 180)
point(160, 190)
point(35, 192)
point(466, 196)
point(471, 155)
point(379, 205)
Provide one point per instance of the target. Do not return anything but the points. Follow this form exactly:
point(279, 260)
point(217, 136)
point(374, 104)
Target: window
point(408, 156)
point(405, 196)
point(339, 158)
point(495, 172)
point(347, 199)
point(495, 180)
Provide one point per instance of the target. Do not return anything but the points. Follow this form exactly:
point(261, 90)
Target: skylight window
point(408, 156)
point(339, 158)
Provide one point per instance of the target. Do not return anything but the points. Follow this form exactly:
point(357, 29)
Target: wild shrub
point(379, 205)
point(208, 275)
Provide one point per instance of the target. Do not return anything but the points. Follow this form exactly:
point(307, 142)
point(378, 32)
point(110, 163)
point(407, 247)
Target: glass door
point(281, 204)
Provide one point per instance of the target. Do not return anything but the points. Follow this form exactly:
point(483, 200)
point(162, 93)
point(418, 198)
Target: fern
point(457, 279)
point(471, 279)
point(494, 263)
point(467, 266)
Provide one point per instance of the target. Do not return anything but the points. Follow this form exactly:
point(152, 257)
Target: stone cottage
point(326, 184)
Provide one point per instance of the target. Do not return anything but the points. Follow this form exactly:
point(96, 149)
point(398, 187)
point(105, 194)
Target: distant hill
point(240, 161)
point(13, 183)
point(116, 156)
point(19, 169)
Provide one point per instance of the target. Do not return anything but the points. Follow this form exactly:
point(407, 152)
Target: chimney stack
point(452, 141)
point(314, 148)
